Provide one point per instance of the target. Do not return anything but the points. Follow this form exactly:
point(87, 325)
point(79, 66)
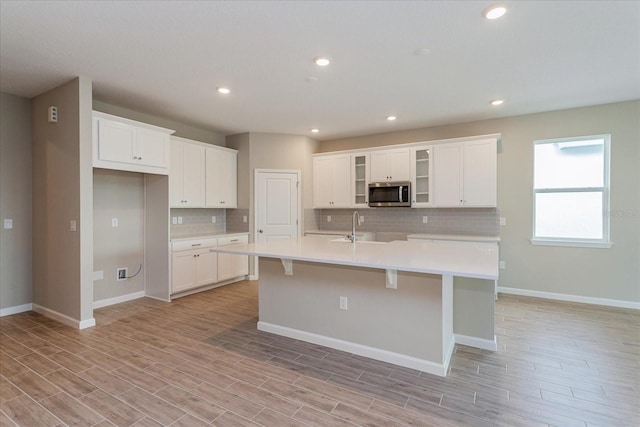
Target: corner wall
point(62, 193)
point(15, 203)
point(610, 276)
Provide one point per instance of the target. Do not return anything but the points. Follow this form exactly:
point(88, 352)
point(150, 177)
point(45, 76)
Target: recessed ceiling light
point(497, 102)
point(391, 118)
point(223, 90)
point(421, 51)
point(314, 130)
point(494, 12)
point(321, 61)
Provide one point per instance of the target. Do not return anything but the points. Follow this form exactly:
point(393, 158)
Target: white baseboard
point(252, 277)
point(571, 298)
point(359, 349)
point(63, 318)
point(482, 343)
point(15, 309)
point(116, 300)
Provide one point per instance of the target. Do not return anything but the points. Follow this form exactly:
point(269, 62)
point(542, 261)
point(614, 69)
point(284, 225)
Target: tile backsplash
point(196, 221)
point(238, 220)
point(472, 221)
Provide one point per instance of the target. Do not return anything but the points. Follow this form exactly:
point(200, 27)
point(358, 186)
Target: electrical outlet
point(179, 220)
point(213, 219)
point(121, 274)
point(360, 220)
point(328, 218)
point(8, 224)
point(244, 218)
point(73, 225)
point(344, 303)
point(114, 222)
point(501, 265)
point(174, 220)
point(425, 219)
point(503, 220)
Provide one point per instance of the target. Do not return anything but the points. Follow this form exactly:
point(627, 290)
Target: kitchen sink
point(345, 240)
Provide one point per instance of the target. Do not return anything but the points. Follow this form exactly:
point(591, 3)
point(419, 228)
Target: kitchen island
point(388, 301)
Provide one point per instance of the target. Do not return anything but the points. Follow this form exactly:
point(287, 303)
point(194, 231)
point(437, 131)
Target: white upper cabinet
point(124, 144)
point(421, 177)
point(221, 177)
point(186, 175)
point(202, 175)
point(331, 177)
point(465, 174)
point(360, 180)
point(390, 165)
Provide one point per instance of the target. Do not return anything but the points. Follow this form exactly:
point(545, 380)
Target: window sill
point(571, 243)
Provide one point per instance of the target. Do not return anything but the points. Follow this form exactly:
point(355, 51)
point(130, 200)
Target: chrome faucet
point(353, 226)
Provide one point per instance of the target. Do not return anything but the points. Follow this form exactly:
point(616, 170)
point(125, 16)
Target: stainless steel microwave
point(390, 194)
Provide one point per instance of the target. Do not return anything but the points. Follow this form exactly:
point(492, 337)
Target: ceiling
point(427, 62)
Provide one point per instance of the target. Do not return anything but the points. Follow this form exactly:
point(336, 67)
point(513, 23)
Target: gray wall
point(598, 273)
point(15, 201)
point(117, 194)
point(272, 151)
point(63, 192)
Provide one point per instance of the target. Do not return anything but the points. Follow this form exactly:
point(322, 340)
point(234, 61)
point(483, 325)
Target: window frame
point(605, 241)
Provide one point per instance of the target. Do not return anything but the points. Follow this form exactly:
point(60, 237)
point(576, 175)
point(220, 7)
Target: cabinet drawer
point(185, 245)
point(233, 240)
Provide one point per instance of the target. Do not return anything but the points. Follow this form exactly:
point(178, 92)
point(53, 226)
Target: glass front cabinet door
point(360, 180)
point(421, 184)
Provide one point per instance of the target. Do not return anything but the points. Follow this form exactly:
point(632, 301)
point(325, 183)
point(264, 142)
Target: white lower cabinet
point(193, 266)
point(232, 266)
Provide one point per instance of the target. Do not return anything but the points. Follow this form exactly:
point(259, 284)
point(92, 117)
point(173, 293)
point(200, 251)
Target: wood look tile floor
point(200, 361)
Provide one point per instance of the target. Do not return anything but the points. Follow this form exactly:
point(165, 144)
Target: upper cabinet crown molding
point(124, 144)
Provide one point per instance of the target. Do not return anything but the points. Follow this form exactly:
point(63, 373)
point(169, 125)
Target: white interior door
point(277, 196)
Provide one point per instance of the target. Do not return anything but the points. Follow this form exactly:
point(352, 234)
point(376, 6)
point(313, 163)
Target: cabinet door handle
point(234, 240)
point(196, 244)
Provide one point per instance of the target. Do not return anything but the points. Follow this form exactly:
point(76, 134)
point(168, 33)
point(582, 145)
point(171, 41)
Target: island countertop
point(463, 259)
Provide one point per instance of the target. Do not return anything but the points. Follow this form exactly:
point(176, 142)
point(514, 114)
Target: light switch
point(174, 220)
point(8, 224)
point(328, 218)
point(114, 222)
point(244, 218)
point(213, 219)
point(503, 220)
point(72, 225)
point(179, 220)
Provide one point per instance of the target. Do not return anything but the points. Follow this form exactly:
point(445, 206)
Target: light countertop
point(205, 235)
point(458, 237)
point(455, 258)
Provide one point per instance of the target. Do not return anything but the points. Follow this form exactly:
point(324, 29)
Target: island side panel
point(474, 312)
point(407, 320)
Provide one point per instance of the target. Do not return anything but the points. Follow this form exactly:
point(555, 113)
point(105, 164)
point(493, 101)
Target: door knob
point(260, 231)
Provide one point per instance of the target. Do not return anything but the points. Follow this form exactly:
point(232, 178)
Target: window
point(571, 191)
